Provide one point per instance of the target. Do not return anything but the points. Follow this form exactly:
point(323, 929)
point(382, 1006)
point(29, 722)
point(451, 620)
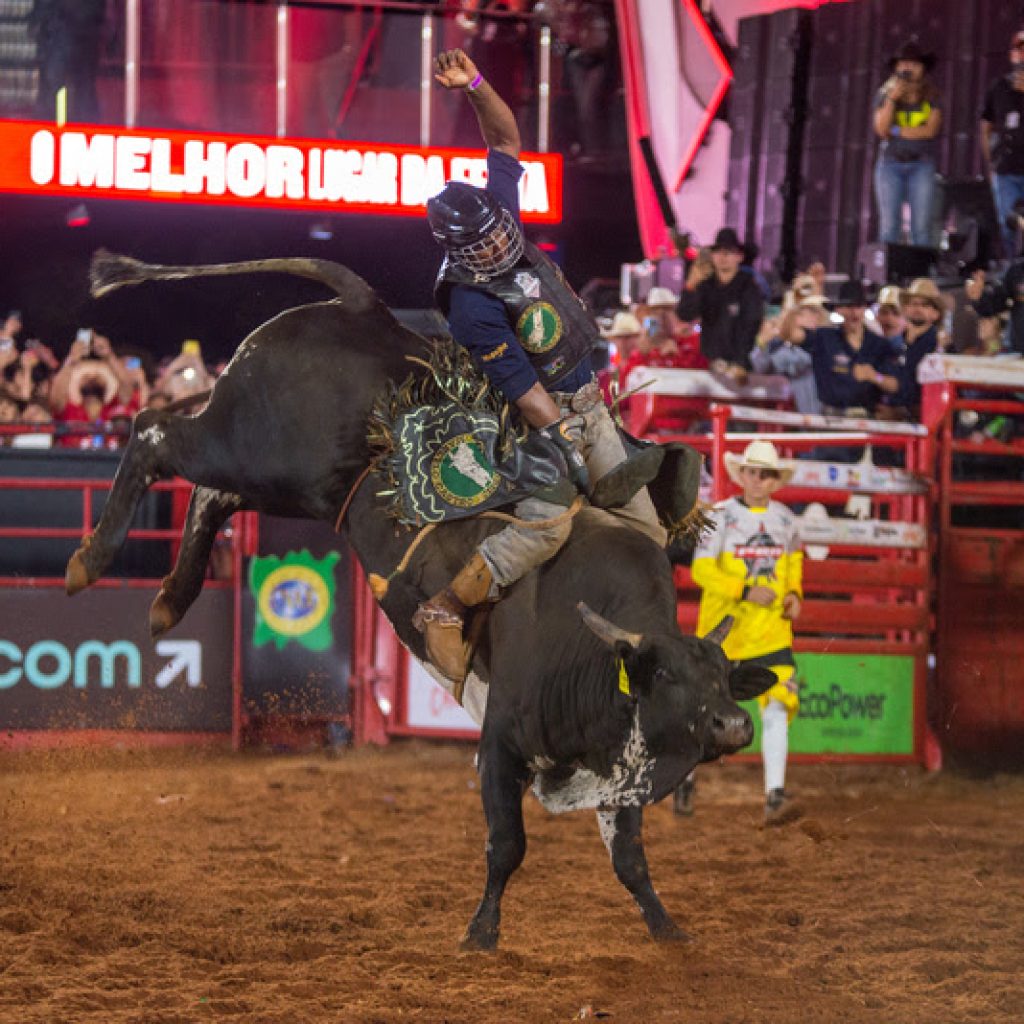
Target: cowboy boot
point(441, 618)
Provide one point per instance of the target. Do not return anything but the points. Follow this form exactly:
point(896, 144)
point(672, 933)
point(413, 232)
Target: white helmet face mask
point(496, 252)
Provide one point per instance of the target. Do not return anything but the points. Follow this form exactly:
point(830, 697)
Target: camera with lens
point(905, 76)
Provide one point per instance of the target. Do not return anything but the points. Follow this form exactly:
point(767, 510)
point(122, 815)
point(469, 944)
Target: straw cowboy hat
point(889, 296)
point(757, 455)
point(924, 288)
point(658, 296)
point(623, 324)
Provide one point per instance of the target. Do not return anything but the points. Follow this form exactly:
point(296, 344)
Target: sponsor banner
point(431, 708)
point(817, 528)
point(300, 174)
point(864, 477)
point(850, 704)
point(89, 663)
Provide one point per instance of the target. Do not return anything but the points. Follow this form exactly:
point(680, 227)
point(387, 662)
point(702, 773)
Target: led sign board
point(298, 174)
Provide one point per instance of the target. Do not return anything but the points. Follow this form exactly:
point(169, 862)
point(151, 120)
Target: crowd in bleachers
point(87, 399)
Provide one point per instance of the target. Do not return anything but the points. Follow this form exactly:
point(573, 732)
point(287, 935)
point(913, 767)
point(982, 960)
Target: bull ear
point(749, 681)
point(721, 631)
point(611, 634)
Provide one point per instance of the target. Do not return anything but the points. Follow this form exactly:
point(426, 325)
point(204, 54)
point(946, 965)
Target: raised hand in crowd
point(974, 286)
point(701, 270)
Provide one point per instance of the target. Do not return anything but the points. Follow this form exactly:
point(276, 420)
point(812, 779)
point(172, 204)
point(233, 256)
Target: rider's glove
point(560, 433)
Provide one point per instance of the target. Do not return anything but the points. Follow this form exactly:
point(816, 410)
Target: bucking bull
point(581, 680)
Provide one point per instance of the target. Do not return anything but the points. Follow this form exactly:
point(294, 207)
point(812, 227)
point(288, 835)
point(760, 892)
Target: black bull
point(610, 717)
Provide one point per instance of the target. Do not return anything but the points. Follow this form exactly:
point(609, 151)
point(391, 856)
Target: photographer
point(1002, 143)
point(907, 120)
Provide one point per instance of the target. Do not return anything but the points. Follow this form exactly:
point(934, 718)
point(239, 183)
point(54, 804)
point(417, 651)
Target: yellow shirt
point(749, 547)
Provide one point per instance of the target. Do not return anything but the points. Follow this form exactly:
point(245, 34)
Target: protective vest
point(548, 317)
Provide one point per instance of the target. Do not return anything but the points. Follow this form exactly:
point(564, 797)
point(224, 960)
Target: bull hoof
point(669, 931)
point(163, 615)
point(479, 942)
point(76, 576)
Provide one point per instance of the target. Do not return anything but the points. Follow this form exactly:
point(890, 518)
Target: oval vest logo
point(539, 328)
point(461, 473)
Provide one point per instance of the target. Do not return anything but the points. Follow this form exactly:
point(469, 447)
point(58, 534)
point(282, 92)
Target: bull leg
point(502, 782)
point(620, 829)
point(208, 511)
point(146, 459)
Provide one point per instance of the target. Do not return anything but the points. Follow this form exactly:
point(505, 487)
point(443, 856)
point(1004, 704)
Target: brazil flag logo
point(294, 599)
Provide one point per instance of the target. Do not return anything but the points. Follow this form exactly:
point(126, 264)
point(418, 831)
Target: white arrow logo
point(184, 654)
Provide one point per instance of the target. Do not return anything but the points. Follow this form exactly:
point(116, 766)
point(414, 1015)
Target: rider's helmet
point(474, 229)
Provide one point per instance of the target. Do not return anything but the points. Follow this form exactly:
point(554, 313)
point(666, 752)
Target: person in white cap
point(627, 334)
point(751, 568)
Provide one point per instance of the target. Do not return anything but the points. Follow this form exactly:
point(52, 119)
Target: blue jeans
point(1006, 190)
point(896, 184)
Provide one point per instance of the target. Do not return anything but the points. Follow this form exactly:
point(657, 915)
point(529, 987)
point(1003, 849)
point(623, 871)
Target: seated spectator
point(888, 316)
point(993, 298)
point(34, 413)
point(668, 338)
point(848, 361)
point(626, 334)
point(922, 306)
point(728, 304)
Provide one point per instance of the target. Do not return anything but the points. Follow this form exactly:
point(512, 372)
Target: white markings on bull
point(629, 784)
point(606, 826)
point(153, 435)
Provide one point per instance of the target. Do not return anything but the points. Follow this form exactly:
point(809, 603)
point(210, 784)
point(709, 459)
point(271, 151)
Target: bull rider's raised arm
point(526, 329)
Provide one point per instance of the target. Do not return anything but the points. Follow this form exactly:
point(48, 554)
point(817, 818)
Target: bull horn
point(607, 631)
point(721, 631)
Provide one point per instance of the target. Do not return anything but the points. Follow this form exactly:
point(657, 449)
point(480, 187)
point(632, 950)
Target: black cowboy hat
point(911, 50)
point(851, 293)
point(727, 239)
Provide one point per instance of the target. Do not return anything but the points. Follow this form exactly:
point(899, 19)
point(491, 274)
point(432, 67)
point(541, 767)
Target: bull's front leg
point(502, 783)
point(621, 831)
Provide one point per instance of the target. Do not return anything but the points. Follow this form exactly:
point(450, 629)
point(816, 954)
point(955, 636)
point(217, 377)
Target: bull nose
point(732, 730)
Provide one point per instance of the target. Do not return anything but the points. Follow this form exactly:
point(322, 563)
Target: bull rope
point(379, 584)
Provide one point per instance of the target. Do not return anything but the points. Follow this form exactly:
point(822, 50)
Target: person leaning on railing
point(850, 363)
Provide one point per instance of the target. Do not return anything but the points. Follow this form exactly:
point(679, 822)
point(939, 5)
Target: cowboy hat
point(727, 239)
point(910, 50)
point(888, 296)
point(924, 288)
point(851, 293)
point(661, 297)
point(623, 324)
point(757, 455)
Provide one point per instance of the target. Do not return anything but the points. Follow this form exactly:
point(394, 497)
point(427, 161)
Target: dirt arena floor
point(179, 887)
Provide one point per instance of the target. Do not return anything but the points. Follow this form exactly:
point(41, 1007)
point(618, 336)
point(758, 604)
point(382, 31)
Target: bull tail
point(110, 271)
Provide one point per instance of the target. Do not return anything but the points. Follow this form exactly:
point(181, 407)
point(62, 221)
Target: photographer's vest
point(548, 317)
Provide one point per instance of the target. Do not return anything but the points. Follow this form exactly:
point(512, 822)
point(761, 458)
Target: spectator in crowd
point(922, 308)
point(907, 120)
point(89, 386)
point(991, 299)
point(848, 360)
point(816, 271)
point(888, 314)
point(728, 304)
point(751, 568)
point(186, 375)
point(672, 341)
point(1002, 142)
point(12, 327)
point(591, 73)
point(626, 333)
point(773, 355)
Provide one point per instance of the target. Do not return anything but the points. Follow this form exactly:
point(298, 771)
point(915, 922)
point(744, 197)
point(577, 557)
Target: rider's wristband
point(476, 83)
